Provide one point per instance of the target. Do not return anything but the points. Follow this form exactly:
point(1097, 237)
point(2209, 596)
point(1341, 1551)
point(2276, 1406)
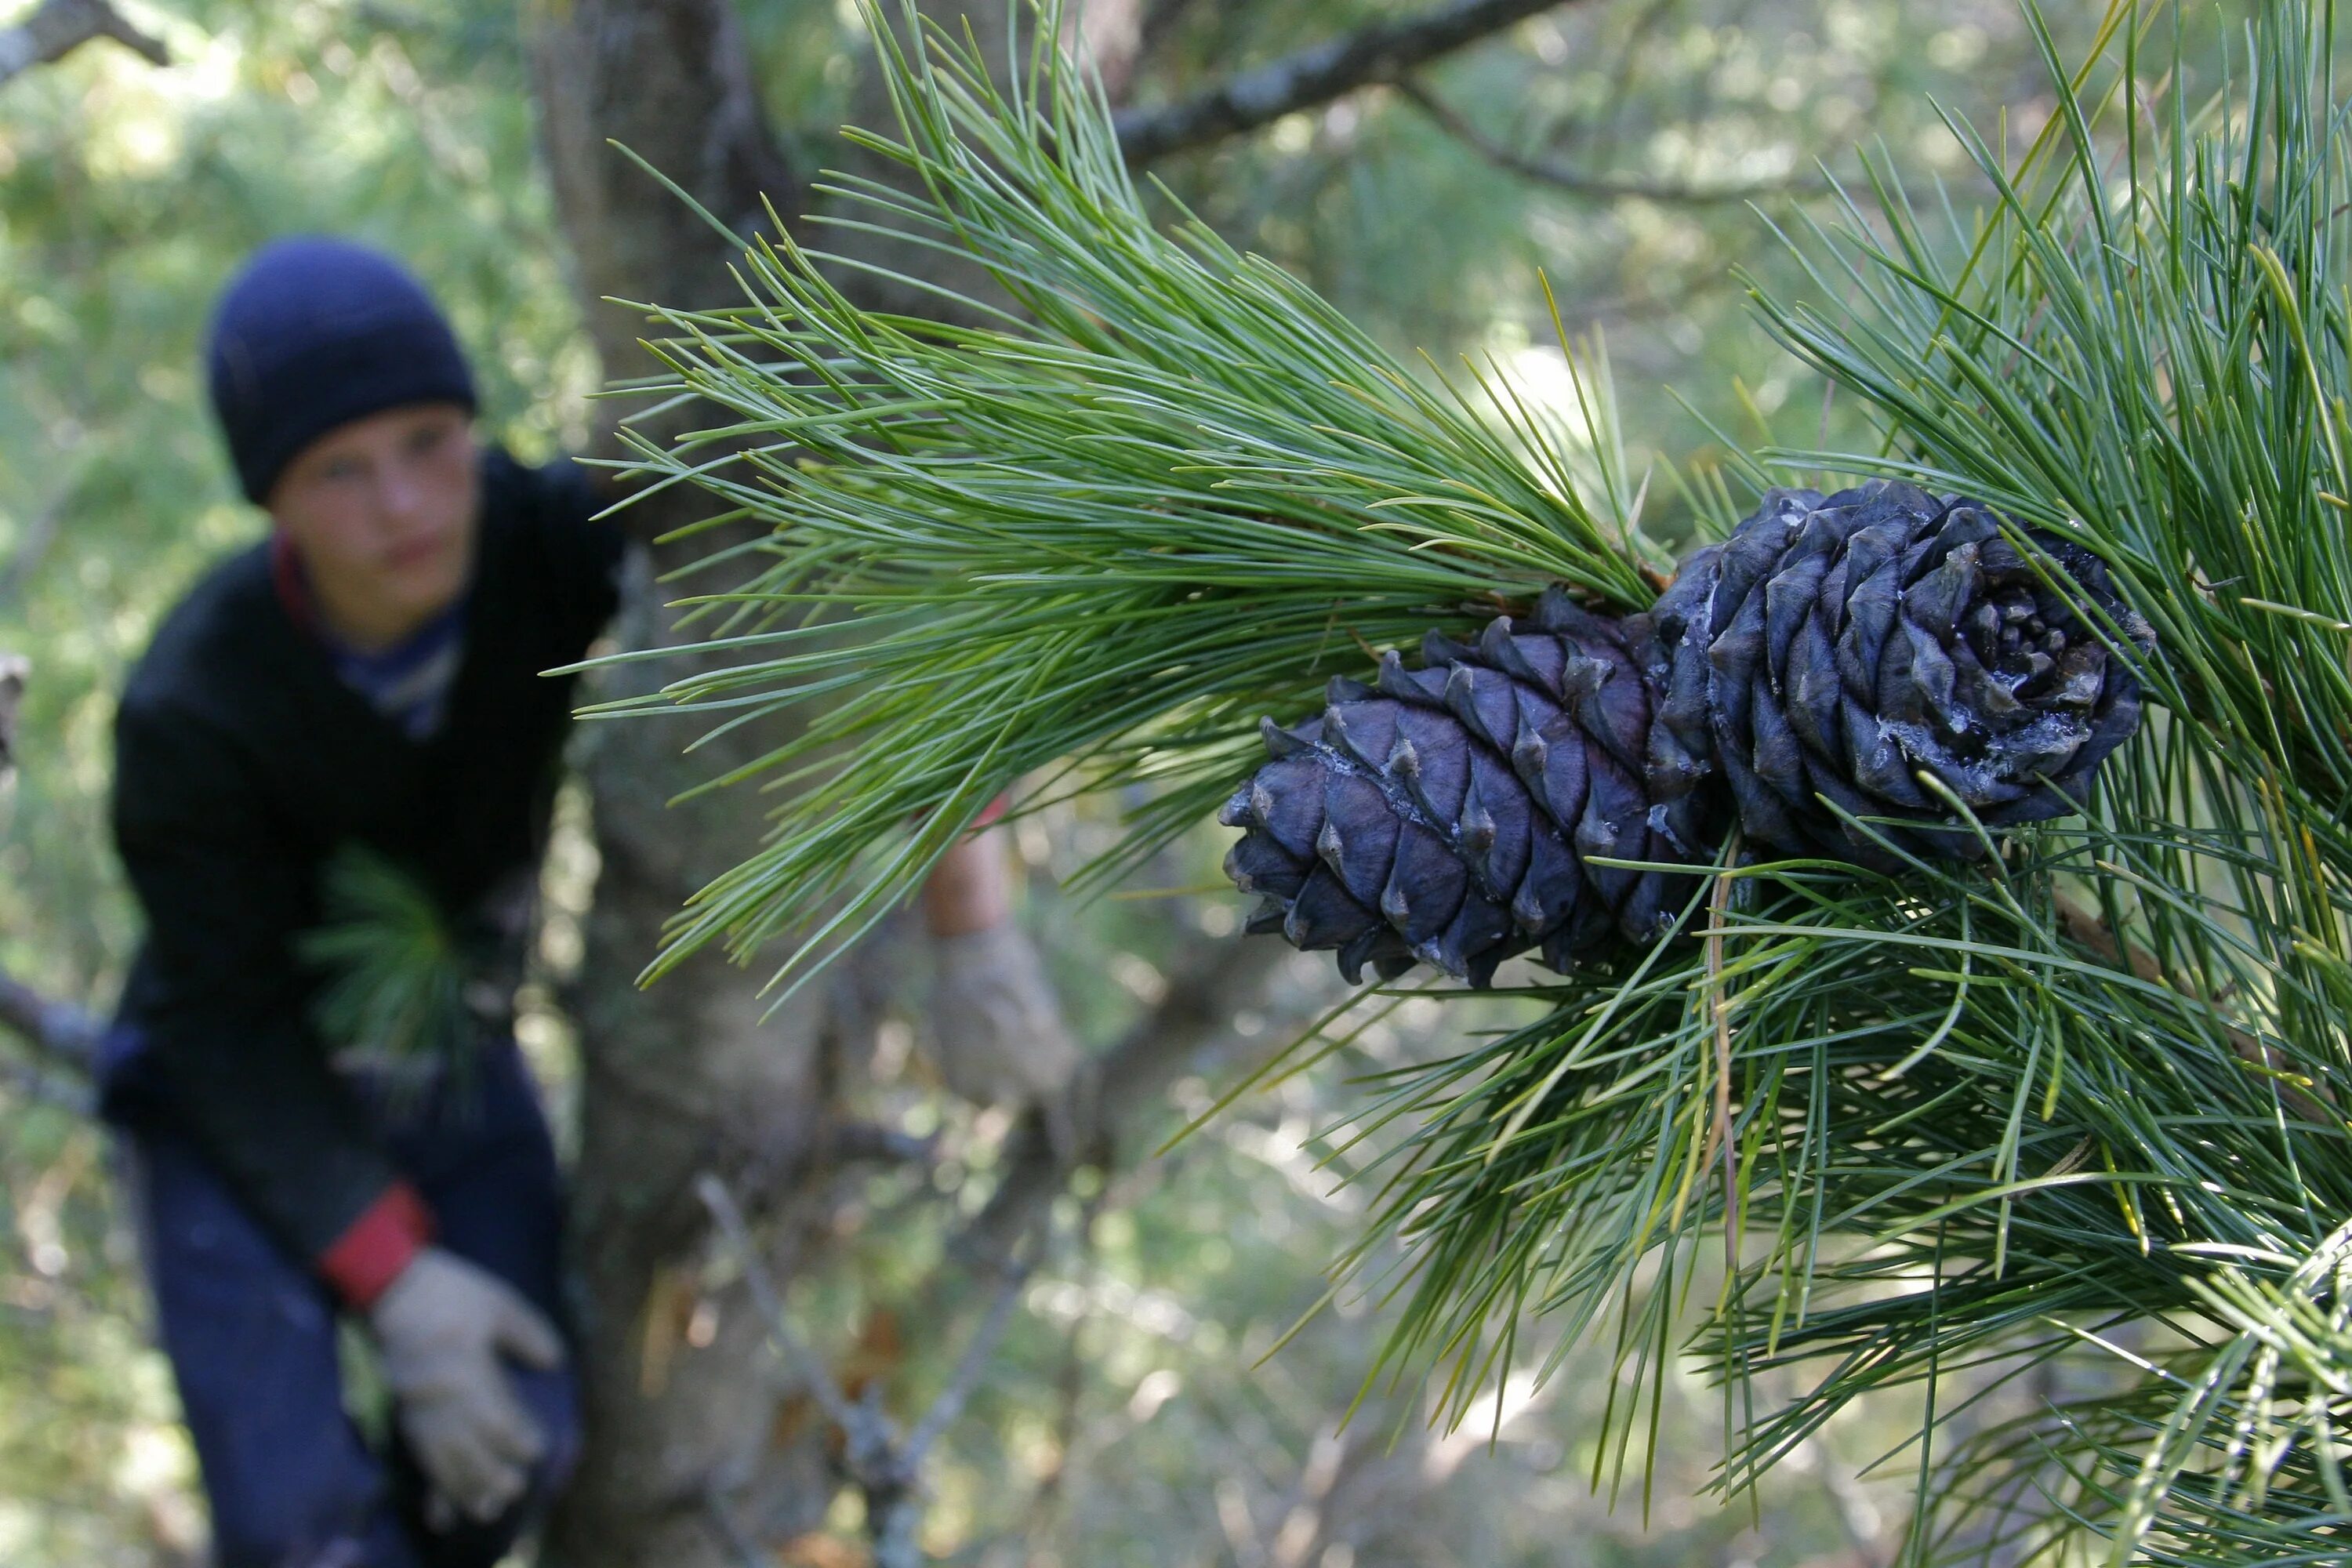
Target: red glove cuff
point(373, 1248)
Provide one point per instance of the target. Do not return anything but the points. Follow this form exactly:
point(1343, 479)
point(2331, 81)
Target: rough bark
point(676, 1080)
point(687, 1459)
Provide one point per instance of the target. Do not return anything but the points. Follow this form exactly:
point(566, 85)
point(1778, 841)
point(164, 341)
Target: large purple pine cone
point(1814, 663)
point(1834, 650)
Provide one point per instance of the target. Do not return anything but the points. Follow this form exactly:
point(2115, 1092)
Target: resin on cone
point(1798, 679)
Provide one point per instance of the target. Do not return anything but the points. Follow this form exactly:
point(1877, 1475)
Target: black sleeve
point(230, 1038)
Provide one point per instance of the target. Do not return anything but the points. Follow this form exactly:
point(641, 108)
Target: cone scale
point(1796, 682)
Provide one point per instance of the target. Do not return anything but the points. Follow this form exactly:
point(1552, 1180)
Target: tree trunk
point(684, 1446)
point(685, 1077)
point(697, 1448)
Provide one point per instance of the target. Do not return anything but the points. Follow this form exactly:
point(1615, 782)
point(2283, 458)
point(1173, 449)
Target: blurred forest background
point(1133, 1413)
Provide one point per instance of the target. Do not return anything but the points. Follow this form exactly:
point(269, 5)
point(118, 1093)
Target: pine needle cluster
point(394, 973)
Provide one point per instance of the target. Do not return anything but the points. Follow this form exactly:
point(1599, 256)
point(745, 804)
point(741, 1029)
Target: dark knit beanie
point(316, 332)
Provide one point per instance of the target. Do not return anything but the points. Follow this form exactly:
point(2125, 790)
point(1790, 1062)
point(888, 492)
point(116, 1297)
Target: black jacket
point(242, 763)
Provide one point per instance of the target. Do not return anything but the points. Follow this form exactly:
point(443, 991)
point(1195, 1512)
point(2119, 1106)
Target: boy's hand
point(994, 1019)
point(443, 1325)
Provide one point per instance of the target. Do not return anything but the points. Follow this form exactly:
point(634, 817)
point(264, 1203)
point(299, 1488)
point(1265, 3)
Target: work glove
point(997, 1029)
point(443, 1325)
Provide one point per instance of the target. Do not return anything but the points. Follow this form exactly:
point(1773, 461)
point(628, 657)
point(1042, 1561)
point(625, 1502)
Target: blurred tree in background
point(1612, 145)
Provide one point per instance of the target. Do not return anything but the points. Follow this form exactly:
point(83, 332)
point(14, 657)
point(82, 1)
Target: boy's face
point(382, 512)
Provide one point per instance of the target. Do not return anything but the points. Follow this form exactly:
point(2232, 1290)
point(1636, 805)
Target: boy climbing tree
point(367, 682)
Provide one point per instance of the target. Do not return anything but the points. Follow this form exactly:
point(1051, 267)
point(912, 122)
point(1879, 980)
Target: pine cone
point(1445, 814)
point(1815, 662)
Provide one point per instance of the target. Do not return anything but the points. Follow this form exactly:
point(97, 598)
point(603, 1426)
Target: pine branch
point(61, 26)
point(1959, 1128)
point(1207, 490)
point(1381, 52)
point(1598, 187)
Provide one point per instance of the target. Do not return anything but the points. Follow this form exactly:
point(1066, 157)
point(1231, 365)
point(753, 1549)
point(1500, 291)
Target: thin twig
point(884, 1465)
point(973, 1367)
point(769, 1302)
point(61, 1032)
point(12, 668)
point(1578, 182)
point(1315, 75)
point(61, 26)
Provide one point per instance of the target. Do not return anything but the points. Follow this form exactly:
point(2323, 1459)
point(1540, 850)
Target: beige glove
point(442, 1325)
point(997, 1029)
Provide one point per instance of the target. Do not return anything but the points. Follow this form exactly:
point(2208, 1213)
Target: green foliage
point(2146, 346)
point(1966, 1120)
point(127, 193)
point(396, 972)
point(1202, 488)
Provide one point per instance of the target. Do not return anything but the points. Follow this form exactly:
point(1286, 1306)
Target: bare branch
point(16, 571)
point(896, 1511)
point(66, 1035)
point(1191, 1021)
point(1600, 188)
point(1382, 52)
point(64, 1038)
point(61, 26)
point(769, 1302)
point(1193, 1018)
point(885, 1467)
point(12, 668)
point(971, 1368)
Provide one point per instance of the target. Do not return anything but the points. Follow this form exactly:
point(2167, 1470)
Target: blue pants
point(251, 1332)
